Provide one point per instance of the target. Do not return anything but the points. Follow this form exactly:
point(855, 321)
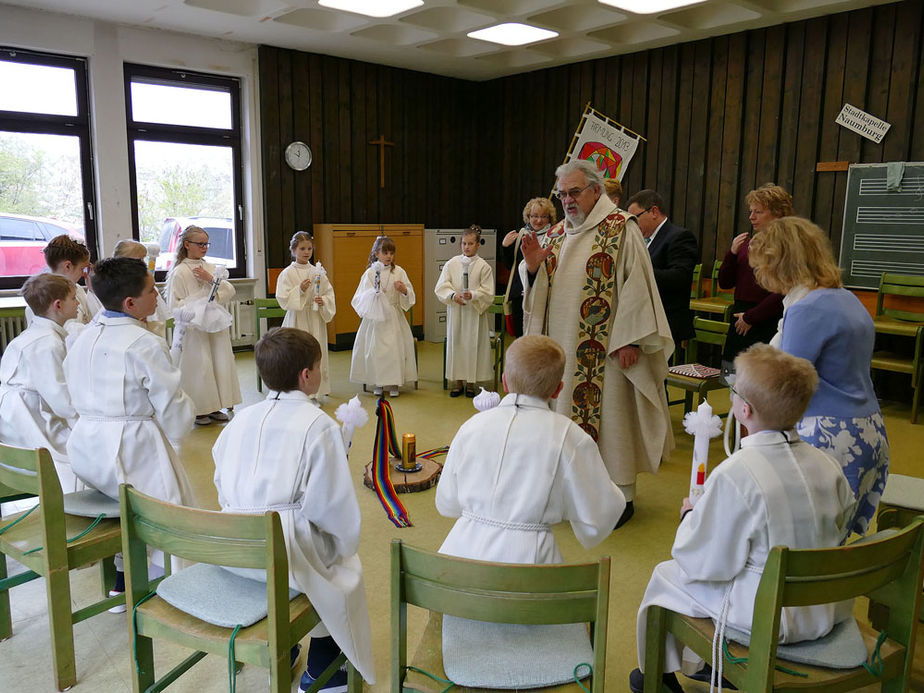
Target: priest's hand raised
point(533, 253)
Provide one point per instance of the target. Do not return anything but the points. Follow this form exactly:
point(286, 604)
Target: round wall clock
point(298, 156)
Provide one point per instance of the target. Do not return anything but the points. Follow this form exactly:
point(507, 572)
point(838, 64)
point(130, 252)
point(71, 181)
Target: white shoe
point(394, 392)
point(377, 391)
point(118, 608)
point(219, 416)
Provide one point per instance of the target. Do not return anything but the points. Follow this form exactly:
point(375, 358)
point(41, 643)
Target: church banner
point(605, 142)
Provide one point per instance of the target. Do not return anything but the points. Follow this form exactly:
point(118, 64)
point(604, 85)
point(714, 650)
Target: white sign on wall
point(862, 123)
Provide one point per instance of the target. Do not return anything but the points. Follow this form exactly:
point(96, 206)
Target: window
point(184, 148)
point(46, 185)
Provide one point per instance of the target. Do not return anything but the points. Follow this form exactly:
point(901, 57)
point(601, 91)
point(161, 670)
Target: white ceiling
point(432, 38)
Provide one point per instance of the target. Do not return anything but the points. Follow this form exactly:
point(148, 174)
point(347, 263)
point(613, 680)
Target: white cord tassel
point(352, 415)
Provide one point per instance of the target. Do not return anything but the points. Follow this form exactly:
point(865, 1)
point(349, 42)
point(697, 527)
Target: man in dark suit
point(674, 253)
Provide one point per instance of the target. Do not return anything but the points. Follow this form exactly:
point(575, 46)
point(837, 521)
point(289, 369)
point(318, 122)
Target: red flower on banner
point(603, 157)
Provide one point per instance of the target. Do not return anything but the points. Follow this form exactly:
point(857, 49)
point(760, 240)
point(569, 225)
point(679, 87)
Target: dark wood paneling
point(721, 116)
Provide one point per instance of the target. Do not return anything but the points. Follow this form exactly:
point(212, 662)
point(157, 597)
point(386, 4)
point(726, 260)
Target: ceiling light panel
point(512, 34)
point(372, 8)
point(648, 6)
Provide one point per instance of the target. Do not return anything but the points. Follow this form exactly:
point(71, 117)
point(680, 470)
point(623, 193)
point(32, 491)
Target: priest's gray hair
point(592, 174)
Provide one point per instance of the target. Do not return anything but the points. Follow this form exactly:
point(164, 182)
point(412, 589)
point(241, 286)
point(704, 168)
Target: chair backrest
point(497, 306)
point(706, 332)
point(501, 593)
point(717, 291)
point(696, 289)
point(266, 308)
point(888, 567)
point(900, 285)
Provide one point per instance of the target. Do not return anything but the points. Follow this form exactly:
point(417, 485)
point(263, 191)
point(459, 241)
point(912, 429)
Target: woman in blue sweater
point(826, 324)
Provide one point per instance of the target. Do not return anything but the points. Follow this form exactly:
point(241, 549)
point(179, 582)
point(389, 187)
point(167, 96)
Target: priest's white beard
point(576, 218)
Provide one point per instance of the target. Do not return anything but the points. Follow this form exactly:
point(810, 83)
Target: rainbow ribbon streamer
point(386, 441)
point(435, 452)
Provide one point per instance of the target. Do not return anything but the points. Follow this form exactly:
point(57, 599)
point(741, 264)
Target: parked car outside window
point(22, 239)
point(221, 237)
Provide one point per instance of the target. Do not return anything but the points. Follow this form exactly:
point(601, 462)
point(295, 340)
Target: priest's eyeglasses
point(573, 193)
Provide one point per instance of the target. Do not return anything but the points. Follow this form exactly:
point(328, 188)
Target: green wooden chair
point(50, 544)
point(696, 288)
point(496, 592)
point(264, 308)
point(901, 502)
point(715, 302)
point(203, 536)
point(707, 332)
point(901, 323)
point(887, 568)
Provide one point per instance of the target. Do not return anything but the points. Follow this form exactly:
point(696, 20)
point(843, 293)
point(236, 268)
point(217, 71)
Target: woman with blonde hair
point(756, 310)
point(826, 324)
point(538, 217)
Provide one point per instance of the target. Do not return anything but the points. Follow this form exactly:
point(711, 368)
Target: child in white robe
point(35, 405)
point(126, 391)
point(157, 321)
point(206, 361)
point(306, 294)
point(514, 471)
point(69, 258)
point(286, 454)
point(383, 352)
point(776, 490)
point(466, 286)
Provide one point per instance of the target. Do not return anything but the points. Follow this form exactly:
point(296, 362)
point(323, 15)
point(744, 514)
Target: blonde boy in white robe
point(287, 455)
point(35, 406)
point(514, 471)
point(466, 286)
point(776, 490)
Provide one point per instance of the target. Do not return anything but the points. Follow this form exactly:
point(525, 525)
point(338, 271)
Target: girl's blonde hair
point(791, 252)
point(129, 248)
point(181, 253)
point(382, 243)
point(544, 205)
point(300, 237)
point(773, 198)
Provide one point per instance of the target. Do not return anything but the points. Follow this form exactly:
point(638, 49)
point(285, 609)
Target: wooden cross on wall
point(381, 143)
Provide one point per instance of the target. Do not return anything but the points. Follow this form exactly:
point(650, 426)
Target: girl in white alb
point(383, 353)
point(306, 294)
point(206, 361)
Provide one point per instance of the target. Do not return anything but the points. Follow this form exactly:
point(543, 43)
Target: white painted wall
point(107, 46)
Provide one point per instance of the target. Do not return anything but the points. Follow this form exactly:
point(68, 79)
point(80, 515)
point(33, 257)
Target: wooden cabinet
point(344, 250)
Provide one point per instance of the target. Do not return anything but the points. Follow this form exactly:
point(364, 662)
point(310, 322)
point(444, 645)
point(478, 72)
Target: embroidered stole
point(594, 315)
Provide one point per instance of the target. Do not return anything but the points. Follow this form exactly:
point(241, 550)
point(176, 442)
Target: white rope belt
point(280, 507)
point(522, 526)
point(88, 417)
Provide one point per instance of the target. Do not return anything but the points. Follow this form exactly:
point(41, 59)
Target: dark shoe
point(637, 682)
point(335, 684)
point(293, 655)
point(470, 391)
point(705, 675)
point(626, 514)
point(456, 392)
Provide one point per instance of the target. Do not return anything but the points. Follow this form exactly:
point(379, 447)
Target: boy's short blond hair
point(534, 366)
point(779, 386)
point(128, 247)
point(41, 290)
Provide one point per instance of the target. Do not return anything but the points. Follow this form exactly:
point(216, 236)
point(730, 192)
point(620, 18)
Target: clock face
point(298, 156)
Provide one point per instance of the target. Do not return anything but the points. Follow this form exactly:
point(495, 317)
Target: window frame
point(68, 125)
point(189, 134)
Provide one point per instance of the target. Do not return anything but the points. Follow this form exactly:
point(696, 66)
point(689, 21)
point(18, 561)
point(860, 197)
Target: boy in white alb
point(514, 471)
point(35, 406)
point(285, 454)
point(127, 392)
point(68, 258)
point(466, 286)
point(776, 490)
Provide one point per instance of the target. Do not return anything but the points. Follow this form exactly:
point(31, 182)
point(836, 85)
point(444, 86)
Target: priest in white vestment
point(592, 289)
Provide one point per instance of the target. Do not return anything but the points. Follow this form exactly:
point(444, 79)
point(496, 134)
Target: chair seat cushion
point(217, 596)
point(904, 492)
point(90, 503)
point(505, 655)
point(842, 648)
